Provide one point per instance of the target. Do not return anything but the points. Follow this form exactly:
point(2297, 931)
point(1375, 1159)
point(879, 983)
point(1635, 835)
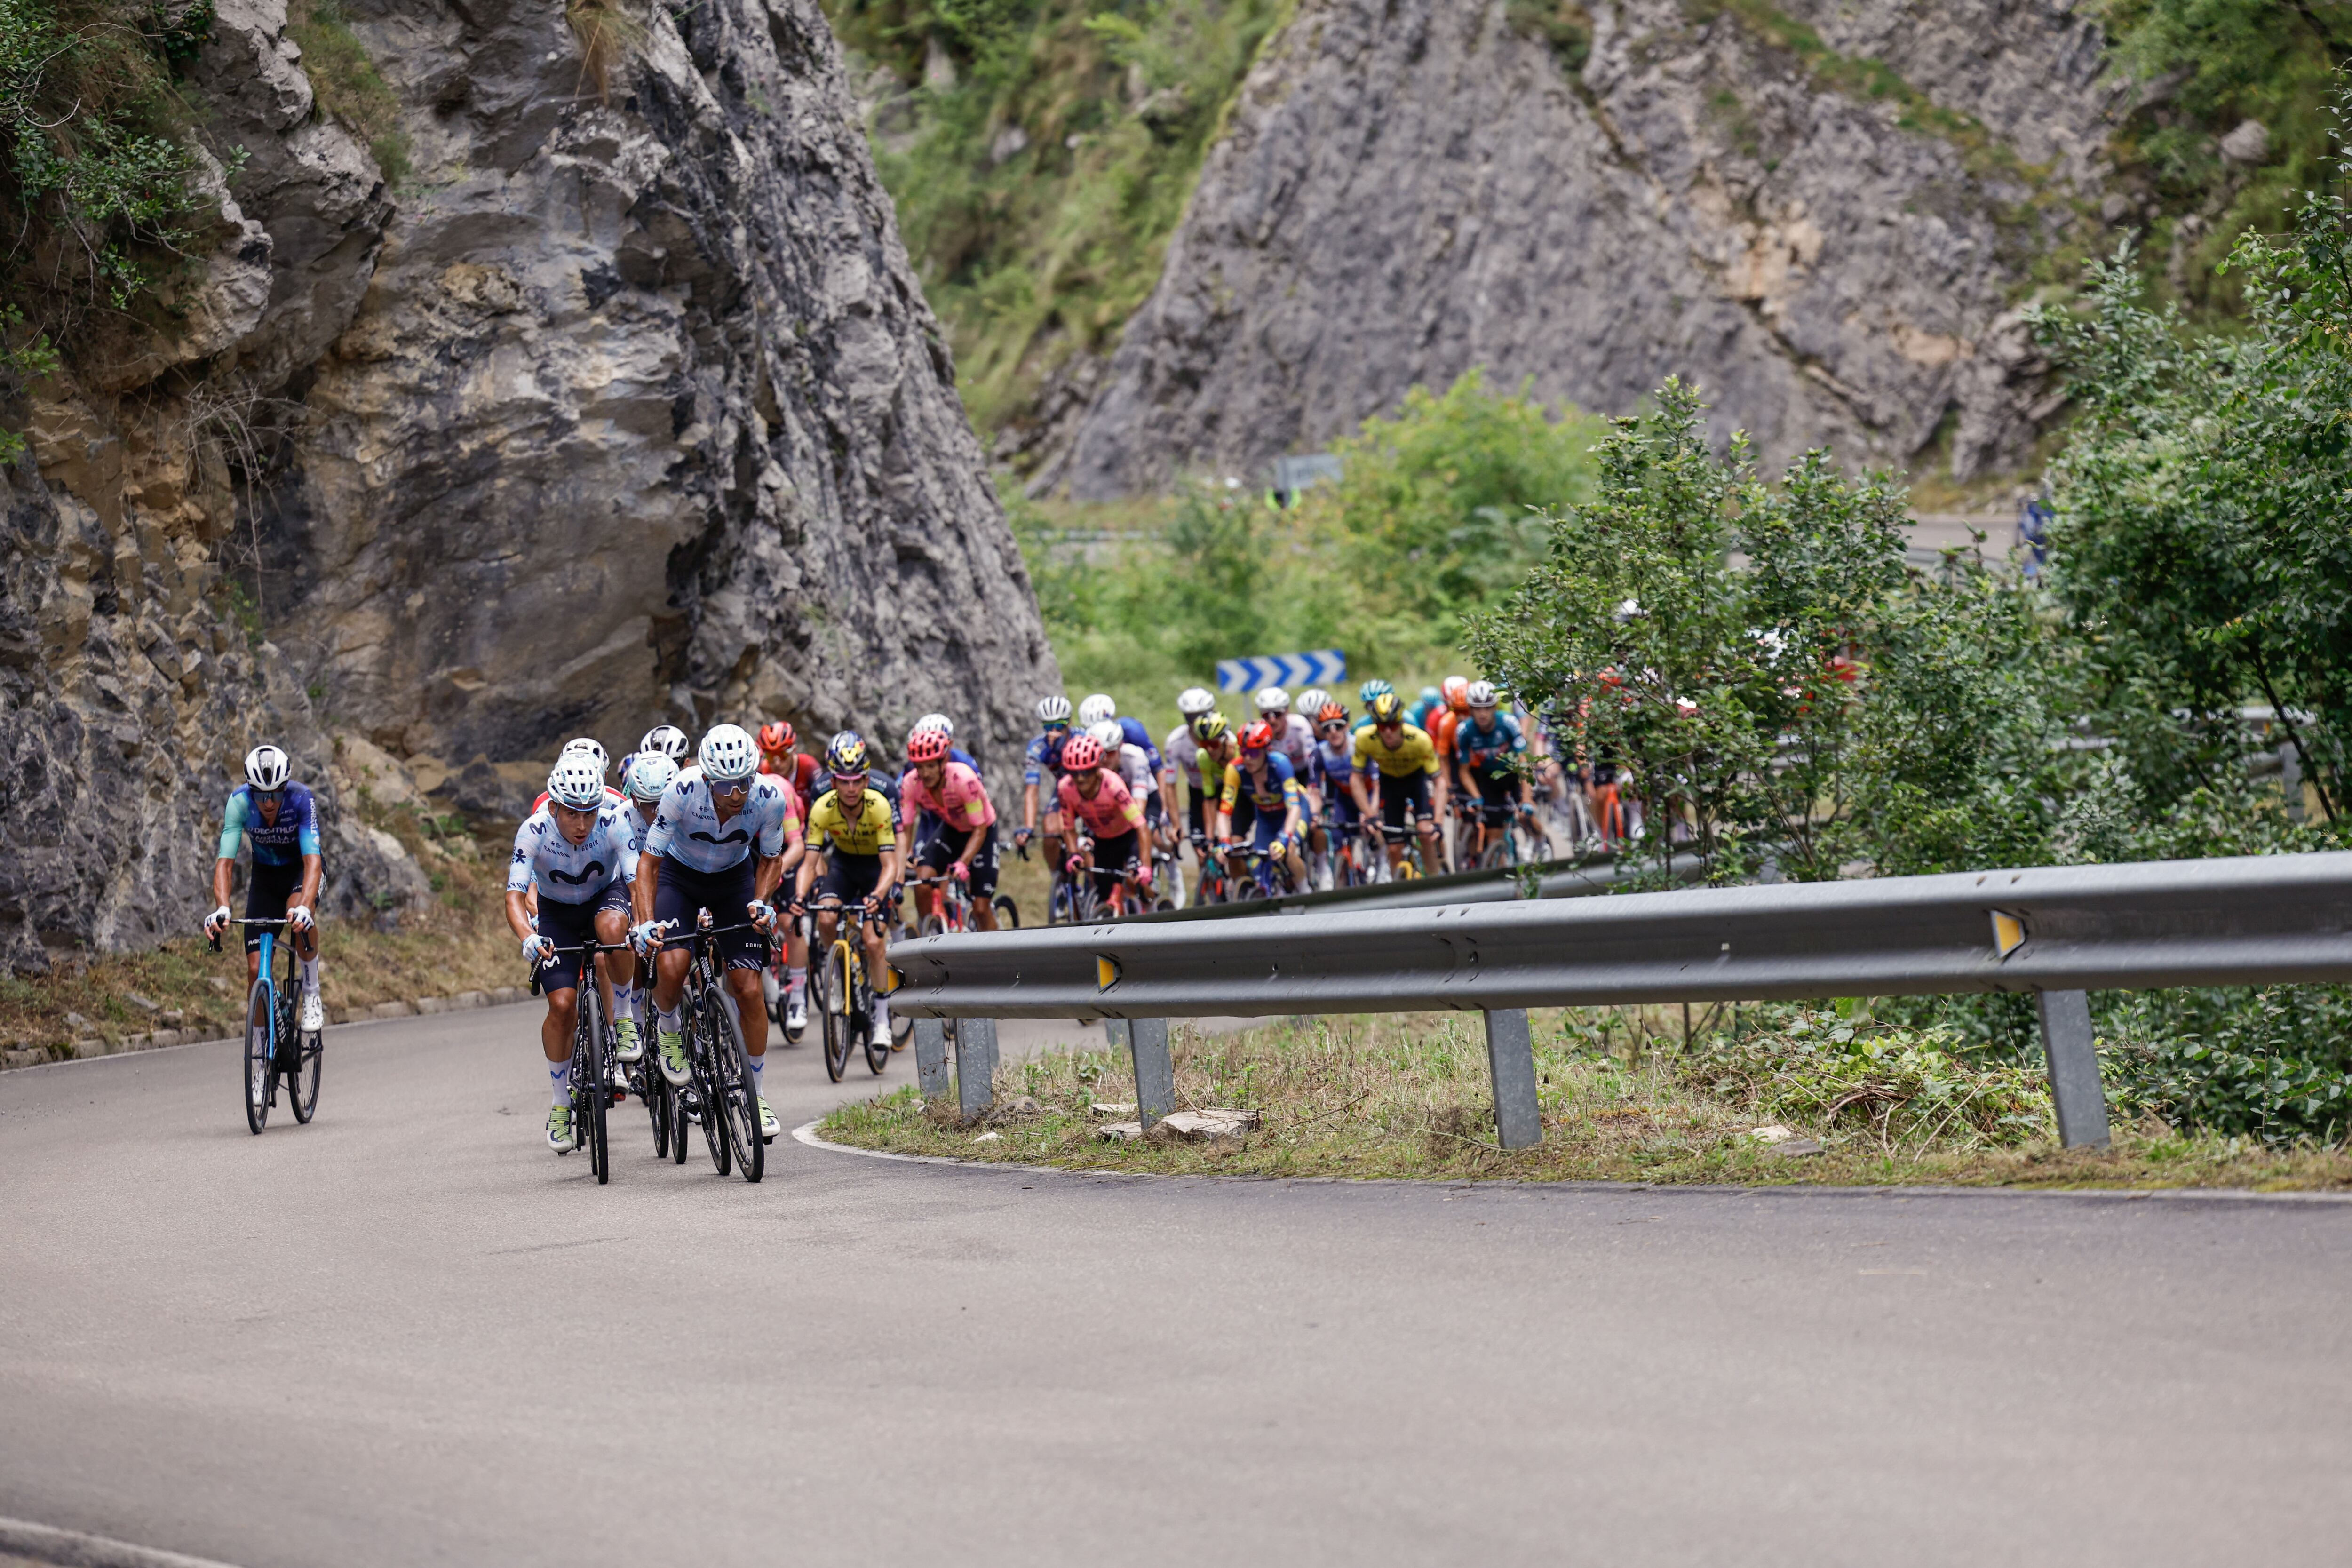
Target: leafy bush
point(1040, 153)
point(94, 181)
point(1898, 1085)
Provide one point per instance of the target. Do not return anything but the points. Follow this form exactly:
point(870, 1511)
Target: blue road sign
point(1324, 667)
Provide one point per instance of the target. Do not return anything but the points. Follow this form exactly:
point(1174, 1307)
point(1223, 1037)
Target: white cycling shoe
point(797, 1014)
point(314, 1013)
point(628, 1046)
point(559, 1130)
point(768, 1125)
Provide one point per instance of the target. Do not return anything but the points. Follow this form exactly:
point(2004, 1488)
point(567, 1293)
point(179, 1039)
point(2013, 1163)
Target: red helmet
point(1080, 752)
point(1257, 736)
point(927, 746)
point(776, 737)
point(1331, 713)
point(1457, 692)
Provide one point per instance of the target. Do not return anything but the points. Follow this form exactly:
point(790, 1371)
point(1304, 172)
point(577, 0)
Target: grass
point(349, 86)
point(1407, 1098)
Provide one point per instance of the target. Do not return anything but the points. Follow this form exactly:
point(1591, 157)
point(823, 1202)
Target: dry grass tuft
point(607, 33)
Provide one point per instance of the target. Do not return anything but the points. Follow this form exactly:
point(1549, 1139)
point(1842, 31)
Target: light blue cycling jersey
point(686, 826)
point(633, 818)
point(566, 872)
point(282, 842)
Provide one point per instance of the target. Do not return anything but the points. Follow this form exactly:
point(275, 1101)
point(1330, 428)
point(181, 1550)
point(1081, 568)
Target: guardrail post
point(2073, 1058)
point(931, 1058)
point(976, 1065)
point(1511, 1059)
point(1155, 1069)
point(1116, 1034)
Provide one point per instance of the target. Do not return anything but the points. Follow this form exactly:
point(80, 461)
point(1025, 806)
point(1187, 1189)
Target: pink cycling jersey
point(1111, 812)
point(962, 802)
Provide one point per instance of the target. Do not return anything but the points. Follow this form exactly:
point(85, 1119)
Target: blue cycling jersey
point(1332, 765)
point(1044, 757)
point(1477, 745)
point(1137, 735)
point(566, 872)
point(686, 826)
point(281, 843)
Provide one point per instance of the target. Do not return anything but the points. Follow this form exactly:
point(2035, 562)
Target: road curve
point(408, 1333)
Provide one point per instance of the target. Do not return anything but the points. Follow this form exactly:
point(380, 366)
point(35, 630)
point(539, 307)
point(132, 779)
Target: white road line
point(72, 1549)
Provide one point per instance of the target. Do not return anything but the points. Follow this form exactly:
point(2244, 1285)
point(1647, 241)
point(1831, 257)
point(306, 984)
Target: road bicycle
point(952, 907)
point(664, 1106)
point(274, 1047)
point(719, 1092)
point(1269, 874)
point(1088, 903)
point(1214, 885)
point(1520, 840)
point(841, 996)
point(592, 1059)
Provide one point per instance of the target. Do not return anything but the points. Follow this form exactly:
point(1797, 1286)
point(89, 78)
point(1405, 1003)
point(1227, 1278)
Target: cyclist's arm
point(314, 872)
point(889, 879)
point(1029, 805)
point(1293, 822)
point(766, 877)
point(517, 919)
point(641, 889)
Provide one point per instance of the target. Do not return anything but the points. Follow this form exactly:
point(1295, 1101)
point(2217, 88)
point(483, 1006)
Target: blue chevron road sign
point(1324, 667)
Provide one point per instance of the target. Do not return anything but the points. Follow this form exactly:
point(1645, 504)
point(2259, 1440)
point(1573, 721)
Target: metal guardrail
point(2059, 932)
point(1570, 878)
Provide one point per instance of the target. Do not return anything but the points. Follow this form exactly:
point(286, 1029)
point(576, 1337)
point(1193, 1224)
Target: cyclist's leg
point(567, 926)
point(1115, 858)
point(268, 893)
point(678, 897)
point(984, 869)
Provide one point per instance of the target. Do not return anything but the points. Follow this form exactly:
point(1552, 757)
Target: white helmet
point(1195, 701)
point(1273, 699)
point(727, 753)
point(1109, 734)
point(585, 747)
point(935, 721)
point(266, 768)
point(649, 776)
point(577, 782)
point(668, 739)
point(1482, 694)
point(1311, 700)
point(1053, 710)
point(1096, 709)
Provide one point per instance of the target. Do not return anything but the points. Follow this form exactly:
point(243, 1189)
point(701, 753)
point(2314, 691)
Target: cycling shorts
point(1263, 827)
point(267, 894)
point(1155, 810)
point(1115, 857)
point(1399, 797)
point(852, 879)
point(943, 849)
point(1498, 797)
point(570, 925)
point(682, 891)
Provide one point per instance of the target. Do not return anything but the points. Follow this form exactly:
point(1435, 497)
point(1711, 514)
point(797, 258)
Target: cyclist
point(1133, 768)
point(282, 820)
point(1370, 692)
point(777, 738)
point(1405, 761)
point(1333, 764)
point(1181, 753)
point(576, 850)
point(1262, 798)
point(585, 747)
point(670, 741)
point(1100, 800)
point(1487, 747)
point(951, 794)
point(1213, 734)
point(1040, 762)
point(645, 777)
point(859, 830)
point(1133, 732)
point(722, 839)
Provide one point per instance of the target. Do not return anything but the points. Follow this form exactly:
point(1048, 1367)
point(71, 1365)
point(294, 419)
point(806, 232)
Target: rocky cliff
point(1825, 215)
point(622, 407)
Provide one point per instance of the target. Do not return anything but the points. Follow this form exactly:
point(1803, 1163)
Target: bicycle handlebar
point(240, 921)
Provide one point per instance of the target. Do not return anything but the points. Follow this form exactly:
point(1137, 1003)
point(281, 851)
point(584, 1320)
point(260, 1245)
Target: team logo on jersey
point(595, 869)
point(740, 836)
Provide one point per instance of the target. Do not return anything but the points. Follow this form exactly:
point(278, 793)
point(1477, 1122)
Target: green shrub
point(350, 90)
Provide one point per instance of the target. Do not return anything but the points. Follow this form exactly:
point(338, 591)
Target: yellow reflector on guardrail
point(1106, 972)
point(2007, 933)
point(898, 978)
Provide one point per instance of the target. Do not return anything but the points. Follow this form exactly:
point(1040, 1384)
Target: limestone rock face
point(644, 418)
point(618, 410)
point(1412, 188)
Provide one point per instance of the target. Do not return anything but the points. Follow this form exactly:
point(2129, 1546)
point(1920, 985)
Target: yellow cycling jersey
point(1416, 752)
point(874, 828)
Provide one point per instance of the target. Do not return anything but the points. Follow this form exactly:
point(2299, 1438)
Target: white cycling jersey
point(686, 826)
point(633, 818)
point(1135, 769)
point(566, 872)
point(1297, 741)
point(1183, 751)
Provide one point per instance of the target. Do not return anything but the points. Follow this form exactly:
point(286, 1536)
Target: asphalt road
point(407, 1334)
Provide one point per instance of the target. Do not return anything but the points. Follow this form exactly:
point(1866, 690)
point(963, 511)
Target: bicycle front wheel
point(591, 1095)
point(738, 1104)
point(1008, 913)
point(835, 1003)
point(260, 1054)
point(706, 1082)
